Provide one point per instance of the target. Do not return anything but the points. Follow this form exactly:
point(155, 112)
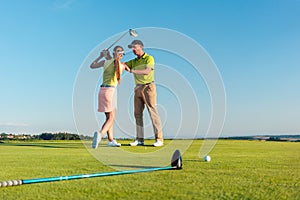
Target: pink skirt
point(107, 99)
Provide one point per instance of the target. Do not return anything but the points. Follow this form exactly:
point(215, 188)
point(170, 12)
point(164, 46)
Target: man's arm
point(149, 66)
point(145, 71)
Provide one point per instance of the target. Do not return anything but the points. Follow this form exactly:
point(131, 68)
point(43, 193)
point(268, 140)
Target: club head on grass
point(176, 161)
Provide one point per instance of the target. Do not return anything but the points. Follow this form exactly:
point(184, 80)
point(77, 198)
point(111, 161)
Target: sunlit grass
point(238, 170)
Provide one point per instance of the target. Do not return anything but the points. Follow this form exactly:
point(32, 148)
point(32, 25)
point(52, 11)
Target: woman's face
point(119, 51)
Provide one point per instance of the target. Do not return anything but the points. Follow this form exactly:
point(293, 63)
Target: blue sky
point(255, 45)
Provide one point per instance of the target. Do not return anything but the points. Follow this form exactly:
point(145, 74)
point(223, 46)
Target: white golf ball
point(207, 158)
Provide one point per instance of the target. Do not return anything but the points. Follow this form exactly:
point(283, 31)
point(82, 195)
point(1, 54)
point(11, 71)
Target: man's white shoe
point(113, 143)
point(136, 143)
point(158, 143)
point(96, 140)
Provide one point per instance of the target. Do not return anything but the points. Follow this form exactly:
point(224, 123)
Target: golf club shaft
point(117, 40)
point(72, 177)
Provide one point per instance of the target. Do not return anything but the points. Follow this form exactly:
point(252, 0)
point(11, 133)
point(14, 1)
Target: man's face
point(137, 49)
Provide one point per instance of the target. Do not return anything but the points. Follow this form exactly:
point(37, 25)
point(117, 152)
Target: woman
point(107, 98)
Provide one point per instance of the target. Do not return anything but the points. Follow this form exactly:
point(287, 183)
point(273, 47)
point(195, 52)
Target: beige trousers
point(146, 95)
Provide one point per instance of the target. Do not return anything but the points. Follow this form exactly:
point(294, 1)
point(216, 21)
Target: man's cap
point(134, 42)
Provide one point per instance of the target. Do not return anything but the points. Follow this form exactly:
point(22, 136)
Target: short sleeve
point(129, 63)
point(150, 62)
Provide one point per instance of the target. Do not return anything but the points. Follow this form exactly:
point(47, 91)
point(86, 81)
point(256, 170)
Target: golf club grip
point(11, 183)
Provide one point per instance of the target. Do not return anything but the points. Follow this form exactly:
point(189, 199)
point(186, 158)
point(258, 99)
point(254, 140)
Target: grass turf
point(238, 170)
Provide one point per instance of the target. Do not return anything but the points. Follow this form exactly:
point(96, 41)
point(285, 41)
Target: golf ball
point(207, 158)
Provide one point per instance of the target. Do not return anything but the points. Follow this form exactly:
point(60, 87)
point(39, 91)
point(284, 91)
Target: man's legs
point(150, 101)
point(138, 113)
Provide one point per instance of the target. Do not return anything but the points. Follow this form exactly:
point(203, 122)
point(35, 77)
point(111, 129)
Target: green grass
point(238, 170)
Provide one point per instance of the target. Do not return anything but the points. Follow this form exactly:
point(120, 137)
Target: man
point(144, 93)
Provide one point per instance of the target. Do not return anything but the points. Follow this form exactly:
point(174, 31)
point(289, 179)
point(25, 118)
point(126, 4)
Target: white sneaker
point(136, 143)
point(158, 143)
point(96, 140)
point(113, 143)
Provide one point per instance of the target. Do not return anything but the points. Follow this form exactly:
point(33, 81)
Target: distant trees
point(2, 135)
point(59, 136)
point(44, 136)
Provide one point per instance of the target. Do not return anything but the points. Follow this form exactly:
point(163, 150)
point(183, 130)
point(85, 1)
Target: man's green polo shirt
point(139, 64)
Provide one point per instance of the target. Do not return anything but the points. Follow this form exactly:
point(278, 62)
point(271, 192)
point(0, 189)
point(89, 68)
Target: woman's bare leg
point(108, 125)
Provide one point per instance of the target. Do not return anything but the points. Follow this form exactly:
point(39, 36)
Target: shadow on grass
point(195, 160)
point(145, 145)
point(126, 145)
point(41, 145)
point(134, 166)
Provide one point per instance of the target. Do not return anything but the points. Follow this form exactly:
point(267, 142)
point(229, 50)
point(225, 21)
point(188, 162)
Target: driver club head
point(133, 33)
point(176, 161)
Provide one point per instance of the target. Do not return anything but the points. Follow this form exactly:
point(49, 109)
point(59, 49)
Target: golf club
point(131, 32)
point(176, 163)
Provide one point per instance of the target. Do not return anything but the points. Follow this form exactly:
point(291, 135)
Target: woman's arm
point(126, 66)
point(96, 64)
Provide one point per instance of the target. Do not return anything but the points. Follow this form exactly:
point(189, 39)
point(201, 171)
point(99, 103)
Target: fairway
point(238, 170)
